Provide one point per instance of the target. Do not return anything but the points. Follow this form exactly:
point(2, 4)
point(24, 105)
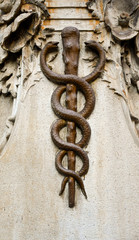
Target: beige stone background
point(30, 205)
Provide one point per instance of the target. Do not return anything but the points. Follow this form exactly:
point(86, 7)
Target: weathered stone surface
point(122, 17)
point(9, 10)
point(25, 24)
point(3, 55)
point(30, 207)
point(96, 8)
point(19, 23)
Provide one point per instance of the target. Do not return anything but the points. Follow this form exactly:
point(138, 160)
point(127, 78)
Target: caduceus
point(69, 116)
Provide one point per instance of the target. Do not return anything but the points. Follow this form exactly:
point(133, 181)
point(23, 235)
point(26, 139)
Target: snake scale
point(65, 115)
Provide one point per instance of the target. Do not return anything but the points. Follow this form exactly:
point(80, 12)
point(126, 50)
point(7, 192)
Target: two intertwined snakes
point(65, 115)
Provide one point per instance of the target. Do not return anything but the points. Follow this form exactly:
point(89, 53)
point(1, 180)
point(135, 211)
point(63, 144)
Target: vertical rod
point(71, 49)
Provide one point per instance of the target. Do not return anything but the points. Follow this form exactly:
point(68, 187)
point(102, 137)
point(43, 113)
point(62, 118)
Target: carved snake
point(83, 85)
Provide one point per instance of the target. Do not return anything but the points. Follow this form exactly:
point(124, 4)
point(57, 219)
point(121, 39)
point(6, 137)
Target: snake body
point(65, 115)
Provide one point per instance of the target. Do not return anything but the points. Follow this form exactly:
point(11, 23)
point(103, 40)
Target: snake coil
point(65, 115)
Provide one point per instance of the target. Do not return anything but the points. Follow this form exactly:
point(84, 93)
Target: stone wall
point(30, 205)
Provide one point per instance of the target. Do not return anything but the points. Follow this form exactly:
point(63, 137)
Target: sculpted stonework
point(19, 24)
point(69, 119)
point(122, 21)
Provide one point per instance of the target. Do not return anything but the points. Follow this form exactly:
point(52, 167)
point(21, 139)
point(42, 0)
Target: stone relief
point(120, 18)
point(69, 117)
point(22, 36)
point(19, 25)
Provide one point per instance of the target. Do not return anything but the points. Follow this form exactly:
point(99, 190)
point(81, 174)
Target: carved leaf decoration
point(18, 33)
point(9, 81)
point(130, 66)
point(114, 80)
point(116, 84)
point(40, 38)
point(137, 45)
point(30, 68)
point(19, 23)
point(8, 78)
point(13, 8)
point(40, 4)
point(96, 7)
point(104, 38)
point(3, 55)
point(134, 22)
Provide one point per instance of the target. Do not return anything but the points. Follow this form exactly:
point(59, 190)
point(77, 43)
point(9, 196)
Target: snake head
point(53, 44)
point(89, 43)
